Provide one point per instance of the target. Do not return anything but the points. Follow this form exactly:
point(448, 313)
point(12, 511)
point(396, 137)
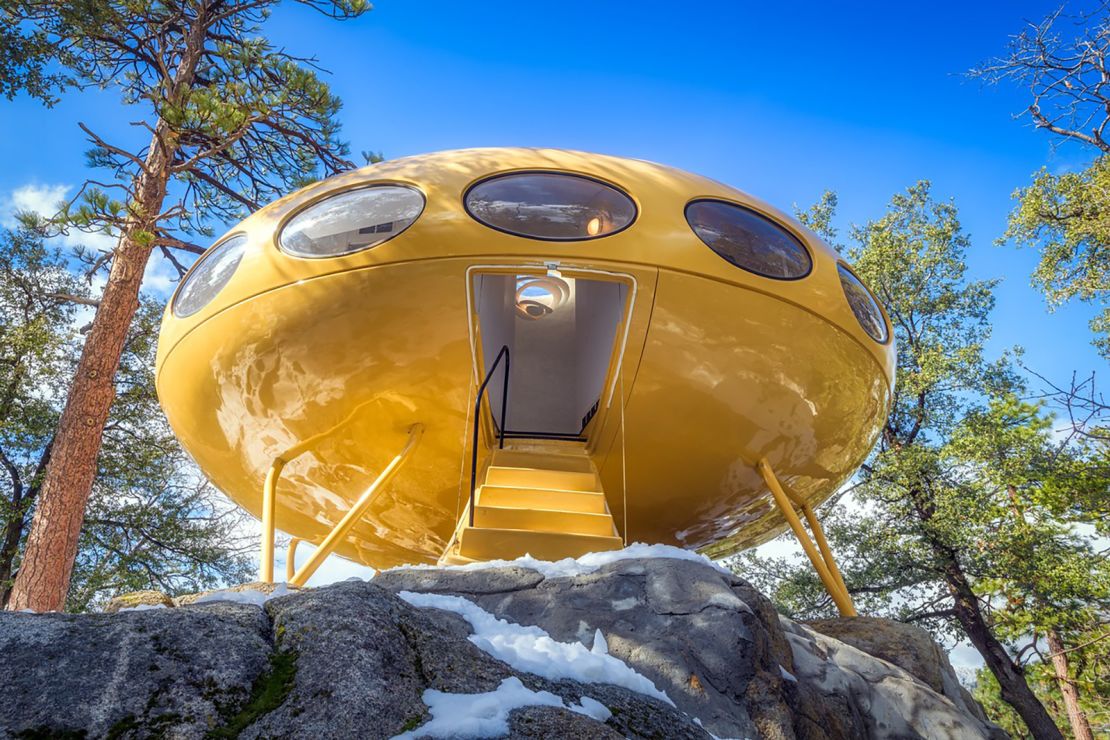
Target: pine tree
point(919, 545)
point(232, 122)
point(153, 521)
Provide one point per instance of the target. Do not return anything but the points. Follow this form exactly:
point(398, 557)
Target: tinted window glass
point(209, 276)
point(748, 239)
point(548, 205)
point(863, 304)
point(351, 221)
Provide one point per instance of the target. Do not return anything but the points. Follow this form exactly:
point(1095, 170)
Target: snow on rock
point(142, 607)
point(588, 563)
point(600, 647)
point(246, 596)
point(551, 657)
point(532, 650)
point(487, 715)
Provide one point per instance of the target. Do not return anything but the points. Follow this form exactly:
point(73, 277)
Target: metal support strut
point(822, 560)
point(338, 532)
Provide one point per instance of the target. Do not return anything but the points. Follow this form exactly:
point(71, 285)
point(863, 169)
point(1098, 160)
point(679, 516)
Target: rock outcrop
point(636, 647)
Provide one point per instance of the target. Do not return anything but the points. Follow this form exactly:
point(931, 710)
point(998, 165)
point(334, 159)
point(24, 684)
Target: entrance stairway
point(543, 500)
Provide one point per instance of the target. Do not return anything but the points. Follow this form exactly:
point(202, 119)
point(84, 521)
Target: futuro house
point(478, 354)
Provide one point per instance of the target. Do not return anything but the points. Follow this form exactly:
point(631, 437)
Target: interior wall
point(542, 385)
point(598, 311)
point(559, 361)
point(492, 294)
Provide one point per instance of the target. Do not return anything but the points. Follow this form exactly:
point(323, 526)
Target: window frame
point(184, 282)
point(888, 329)
point(785, 228)
point(284, 224)
point(560, 173)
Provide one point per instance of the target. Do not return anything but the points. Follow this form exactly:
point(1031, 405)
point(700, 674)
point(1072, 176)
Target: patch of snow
point(728, 600)
point(487, 715)
point(532, 650)
point(600, 647)
point(258, 598)
point(787, 675)
point(592, 708)
point(141, 607)
point(699, 724)
point(623, 605)
point(588, 563)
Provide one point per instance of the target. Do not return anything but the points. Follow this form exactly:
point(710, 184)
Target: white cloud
point(160, 278)
point(44, 200)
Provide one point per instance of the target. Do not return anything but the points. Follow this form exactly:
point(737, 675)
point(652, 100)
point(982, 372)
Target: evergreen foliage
point(152, 521)
point(225, 122)
point(1063, 61)
point(1066, 218)
point(970, 518)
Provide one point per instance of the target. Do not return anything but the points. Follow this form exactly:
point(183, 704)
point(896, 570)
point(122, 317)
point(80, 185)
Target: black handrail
point(478, 415)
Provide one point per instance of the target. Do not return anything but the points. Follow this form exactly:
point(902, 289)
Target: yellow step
point(543, 520)
point(516, 497)
point(507, 544)
point(452, 557)
point(565, 480)
point(570, 462)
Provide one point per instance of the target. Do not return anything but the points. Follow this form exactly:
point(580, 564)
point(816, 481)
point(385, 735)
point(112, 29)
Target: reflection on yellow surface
point(716, 367)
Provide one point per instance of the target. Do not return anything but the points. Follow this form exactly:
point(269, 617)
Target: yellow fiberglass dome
point(475, 354)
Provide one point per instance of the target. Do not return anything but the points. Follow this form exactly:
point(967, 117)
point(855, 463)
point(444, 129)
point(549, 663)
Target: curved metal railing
point(504, 352)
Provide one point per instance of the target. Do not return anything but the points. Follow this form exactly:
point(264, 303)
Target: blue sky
point(781, 100)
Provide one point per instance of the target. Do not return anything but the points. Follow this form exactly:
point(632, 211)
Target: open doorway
point(560, 331)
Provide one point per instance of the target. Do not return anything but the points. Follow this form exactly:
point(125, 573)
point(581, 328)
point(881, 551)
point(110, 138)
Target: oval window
point(351, 221)
point(208, 277)
point(550, 205)
point(748, 239)
point(863, 305)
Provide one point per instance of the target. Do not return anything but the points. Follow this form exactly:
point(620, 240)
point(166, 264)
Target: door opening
point(560, 331)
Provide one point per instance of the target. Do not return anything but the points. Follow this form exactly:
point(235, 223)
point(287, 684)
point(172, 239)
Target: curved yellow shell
point(717, 367)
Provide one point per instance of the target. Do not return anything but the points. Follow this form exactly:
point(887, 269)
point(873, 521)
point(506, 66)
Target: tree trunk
point(9, 545)
point(1080, 727)
point(13, 532)
point(1011, 679)
point(21, 501)
point(43, 579)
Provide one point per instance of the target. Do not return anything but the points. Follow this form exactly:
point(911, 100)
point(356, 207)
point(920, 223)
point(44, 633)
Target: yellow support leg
point(291, 558)
point(823, 545)
point(269, 490)
point(822, 561)
point(269, 506)
point(340, 530)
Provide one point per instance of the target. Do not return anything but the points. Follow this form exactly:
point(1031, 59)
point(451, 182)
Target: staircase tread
point(537, 470)
point(531, 489)
point(532, 533)
point(542, 511)
point(545, 500)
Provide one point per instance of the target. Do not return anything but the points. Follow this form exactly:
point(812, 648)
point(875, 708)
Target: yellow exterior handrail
point(822, 561)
